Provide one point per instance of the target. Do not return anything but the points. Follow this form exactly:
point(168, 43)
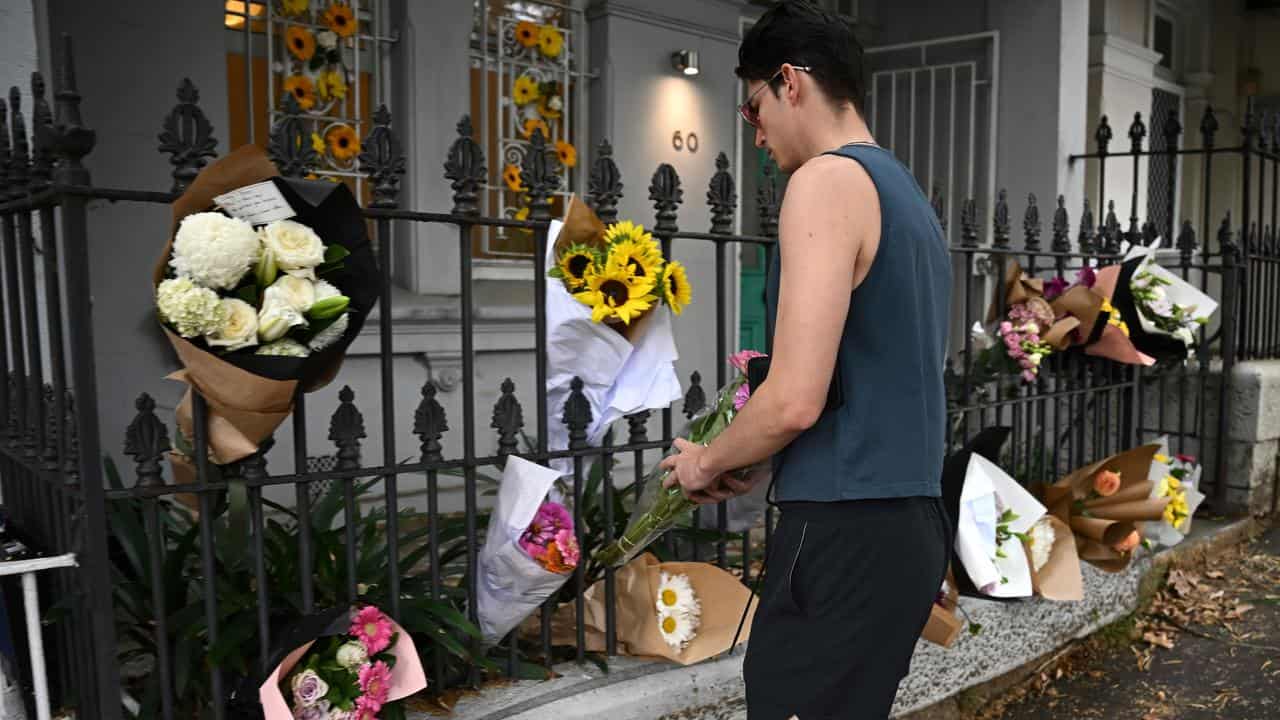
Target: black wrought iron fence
point(185, 586)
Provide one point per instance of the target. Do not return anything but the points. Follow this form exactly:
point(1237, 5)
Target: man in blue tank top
point(853, 408)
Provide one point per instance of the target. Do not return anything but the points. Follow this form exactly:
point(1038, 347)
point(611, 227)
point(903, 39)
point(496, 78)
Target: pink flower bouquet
point(358, 675)
point(530, 550)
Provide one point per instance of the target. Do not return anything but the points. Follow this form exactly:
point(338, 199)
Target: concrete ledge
point(1017, 637)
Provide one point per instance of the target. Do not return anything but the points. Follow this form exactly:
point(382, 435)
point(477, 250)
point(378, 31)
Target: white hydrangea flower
point(240, 330)
point(327, 39)
point(297, 248)
point(214, 250)
point(285, 347)
point(677, 628)
point(331, 334)
point(191, 310)
point(1042, 538)
point(675, 594)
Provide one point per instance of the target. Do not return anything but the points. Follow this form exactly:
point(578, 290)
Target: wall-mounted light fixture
point(685, 61)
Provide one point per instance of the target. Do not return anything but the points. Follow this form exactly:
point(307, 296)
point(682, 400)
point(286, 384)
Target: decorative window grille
point(332, 56)
point(527, 60)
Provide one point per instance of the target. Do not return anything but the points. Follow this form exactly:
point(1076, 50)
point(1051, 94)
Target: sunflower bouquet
point(607, 332)
point(623, 277)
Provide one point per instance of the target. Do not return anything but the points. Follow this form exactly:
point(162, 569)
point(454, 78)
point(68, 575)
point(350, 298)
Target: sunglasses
point(748, 111)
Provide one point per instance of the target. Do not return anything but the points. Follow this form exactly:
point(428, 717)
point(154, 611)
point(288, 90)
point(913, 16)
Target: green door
point(751, 322)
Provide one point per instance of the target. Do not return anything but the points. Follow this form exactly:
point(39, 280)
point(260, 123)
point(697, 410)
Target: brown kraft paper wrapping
point(1086, 305)
point(1019, 288)
point(943, 627)
point(582, 226)
point(1060, 578)
point(244, 408)
point(721, 596)
point(1096, 536)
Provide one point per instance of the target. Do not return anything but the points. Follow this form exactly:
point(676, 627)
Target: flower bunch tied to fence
point(609, 321)
point(263, 285)
point(1134, 312)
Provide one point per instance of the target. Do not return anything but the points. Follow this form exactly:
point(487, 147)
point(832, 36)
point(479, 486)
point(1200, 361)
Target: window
point(1162, 40)
point(331, 55)
point(526, 74)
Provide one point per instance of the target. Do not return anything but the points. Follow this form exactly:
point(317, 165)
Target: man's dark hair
point(800, 33)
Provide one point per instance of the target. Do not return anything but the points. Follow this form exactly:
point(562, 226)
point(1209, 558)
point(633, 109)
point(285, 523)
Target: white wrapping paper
point(511, 585)
point(976, 530)
point(1162, 533)
point(619, 377)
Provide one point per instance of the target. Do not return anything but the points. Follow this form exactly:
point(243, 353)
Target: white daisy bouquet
point(263, 285)
point(684, 612)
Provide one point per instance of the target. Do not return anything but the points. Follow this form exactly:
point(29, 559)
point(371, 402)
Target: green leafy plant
point(436, 626)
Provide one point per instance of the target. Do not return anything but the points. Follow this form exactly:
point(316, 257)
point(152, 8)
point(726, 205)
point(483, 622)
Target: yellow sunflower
point(637, 259)
point(676, 290)
point(550, 41)
point(627, 230)
point(575, 263)
point(302, 44)
point(294, 7)
point(511, 176)
point(317, 143)
point(612, 295)
point(523, 213)
point(531, 124)
point(567, 153)
point(525, 90)
point(344, 144)
point(551, 107)
point(340, 19)
point(526, 33)
point(302, 89)
point(332, 85)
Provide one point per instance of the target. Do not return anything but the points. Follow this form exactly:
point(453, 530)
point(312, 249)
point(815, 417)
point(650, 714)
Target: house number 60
point(680, 142)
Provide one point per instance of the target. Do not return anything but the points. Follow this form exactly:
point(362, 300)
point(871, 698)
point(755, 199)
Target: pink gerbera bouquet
point(346, 677)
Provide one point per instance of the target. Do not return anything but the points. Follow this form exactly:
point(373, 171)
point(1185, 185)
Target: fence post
point(1229, 330)
point(73, 141)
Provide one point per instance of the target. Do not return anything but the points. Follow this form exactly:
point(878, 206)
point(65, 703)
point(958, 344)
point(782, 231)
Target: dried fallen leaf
point(1215, 574)
point(1158, 638)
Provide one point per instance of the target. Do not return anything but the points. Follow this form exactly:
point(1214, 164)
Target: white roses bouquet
point(273, 300)
point(264, 284)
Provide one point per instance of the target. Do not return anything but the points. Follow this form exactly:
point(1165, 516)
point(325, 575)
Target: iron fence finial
point(1031, 224)
point(187, 137)
point(604, 186)
point(465, 169)
point(430, 424)
point(667, 195)
point(722, 196)
point(289, 145)
point(508, 418)
point(382, 160)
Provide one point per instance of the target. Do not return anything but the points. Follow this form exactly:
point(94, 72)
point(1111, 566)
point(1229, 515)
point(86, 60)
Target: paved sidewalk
point(1207, 647)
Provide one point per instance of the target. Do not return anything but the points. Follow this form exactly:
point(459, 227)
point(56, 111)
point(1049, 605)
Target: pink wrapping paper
point(407, 677)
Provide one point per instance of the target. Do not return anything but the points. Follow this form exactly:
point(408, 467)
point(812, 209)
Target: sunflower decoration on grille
point(340, 18)
point(318, 40)
point(344, 143)
point(620, 274)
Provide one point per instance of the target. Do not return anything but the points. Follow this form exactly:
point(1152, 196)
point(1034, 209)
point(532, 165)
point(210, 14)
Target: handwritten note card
point(256, 204)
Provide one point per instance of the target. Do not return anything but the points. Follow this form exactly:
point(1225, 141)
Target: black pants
point(847, 591)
